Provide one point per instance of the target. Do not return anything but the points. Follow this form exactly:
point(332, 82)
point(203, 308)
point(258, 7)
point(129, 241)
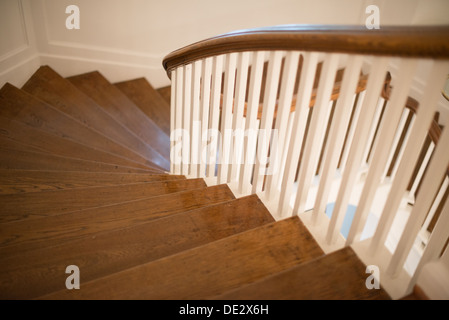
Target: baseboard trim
point(18, 74)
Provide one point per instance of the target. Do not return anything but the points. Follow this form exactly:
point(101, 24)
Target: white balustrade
point(222, 129)
point(419, 132)
point(316, 131)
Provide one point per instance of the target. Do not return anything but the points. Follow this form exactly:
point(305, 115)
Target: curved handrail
point(422, 41)
point(409, 41)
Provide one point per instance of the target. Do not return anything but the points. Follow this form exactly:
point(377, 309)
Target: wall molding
point(18, 64)
point(116, 64)
point(114, 71)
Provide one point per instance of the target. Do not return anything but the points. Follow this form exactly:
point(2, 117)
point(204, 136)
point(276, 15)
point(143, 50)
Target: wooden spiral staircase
point(136, 192)
point(84, 182)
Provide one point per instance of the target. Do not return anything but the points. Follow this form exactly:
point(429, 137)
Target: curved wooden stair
point(83, 182)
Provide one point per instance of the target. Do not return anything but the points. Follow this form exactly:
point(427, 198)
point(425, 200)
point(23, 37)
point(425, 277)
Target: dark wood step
point(148, 100)
point(19, 105)
point(53, 144)
point(16, 156)
point(7, 143)
point(42, 271)
point(24, 181)
point(41, 160)
point(50, 87)
point(16, 238)
point(117, 104)
point(165, 93)
point(35, 205)
point(208, 270)
point(336, 276)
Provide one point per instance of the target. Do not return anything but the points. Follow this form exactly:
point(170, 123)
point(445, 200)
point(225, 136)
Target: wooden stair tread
point(53, 144)
point(82, 182)
point(336, 276)
point(9, 144)
point(16, 157)
point(26, 206)
point(165, 93)
point(117, 104)
point(42, 271)
point(210, 269)
point(19, 105)
point(148, 100)
point(24, 181)
point(22, 236)
point(50, 87)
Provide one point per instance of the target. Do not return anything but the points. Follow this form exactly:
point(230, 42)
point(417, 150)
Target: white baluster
point(195, 133)
point(186, 135)
point(435, 204)
point(402, 147)
point(266, 122)
point(285, 147)
point(237, 120)
point(324, 146)
point(396, 139)
point(316, 131)
point(310, 60)
point(205, 103)
point(445, 257)
point(226, 118)
point(282, 116)
point(172, 121)
point(351, 132)
point(251, 121)
point(419, 132)
point(422, 169)
point(337, 133)
point(437, 169)
point(436, 244)
point(178, 118)
point(382, 148)
point(214, 119)
point(373, 126)
point(355, 157)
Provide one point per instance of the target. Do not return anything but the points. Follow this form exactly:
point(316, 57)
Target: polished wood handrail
point(405, 41)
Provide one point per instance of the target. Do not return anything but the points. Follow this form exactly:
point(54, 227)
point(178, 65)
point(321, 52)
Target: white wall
point(19, 57)
point(125, 39)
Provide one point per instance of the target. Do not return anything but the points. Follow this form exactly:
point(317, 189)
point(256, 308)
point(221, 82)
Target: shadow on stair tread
point(123, 110)
point(42, 271)
point(19, 105)
point(19, 157)
point(337, 276)
point(19, 237)
point(29, 206)
point(56, 145)
point(25, 181)
point(50, 87)
point(208, 270)
point(148, 100)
